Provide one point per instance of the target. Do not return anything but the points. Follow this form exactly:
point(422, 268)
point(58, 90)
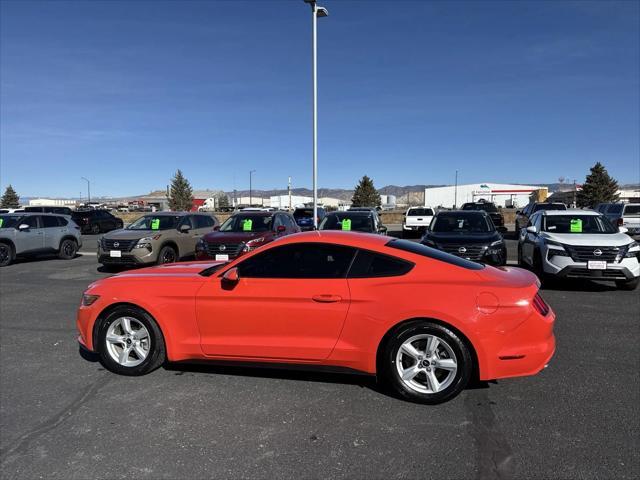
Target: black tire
point(157, 351)
point(167, 254)
point(95, 228)
point(7, 254)
point(68, 249)
point(389, 368)
point(628, 284)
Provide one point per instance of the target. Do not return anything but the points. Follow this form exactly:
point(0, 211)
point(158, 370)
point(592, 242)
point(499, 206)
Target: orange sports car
point(420, 319)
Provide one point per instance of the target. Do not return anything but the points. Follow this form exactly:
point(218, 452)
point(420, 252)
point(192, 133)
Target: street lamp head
point(322, 12)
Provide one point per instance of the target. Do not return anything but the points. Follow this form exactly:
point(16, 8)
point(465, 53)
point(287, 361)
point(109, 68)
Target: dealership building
point(503, 195)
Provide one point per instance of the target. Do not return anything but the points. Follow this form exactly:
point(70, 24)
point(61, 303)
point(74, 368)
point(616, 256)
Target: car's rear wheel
point(6, 254)
point(426, 362)
point(129, 342)
point(628, 284)
point(68, 249)
point(167, 255)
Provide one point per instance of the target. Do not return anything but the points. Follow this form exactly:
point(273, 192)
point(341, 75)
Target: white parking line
point(87, 253)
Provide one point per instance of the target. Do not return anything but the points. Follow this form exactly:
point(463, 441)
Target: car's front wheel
point(129, 342)
point(628, 284)
point(426, 362)
point(167, 255)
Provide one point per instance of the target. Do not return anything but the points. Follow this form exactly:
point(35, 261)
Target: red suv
point(244, 231)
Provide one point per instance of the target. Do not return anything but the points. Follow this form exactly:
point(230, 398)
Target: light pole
point(251, 172)
point(455, 193)
point(316, 12)
point(88, 189)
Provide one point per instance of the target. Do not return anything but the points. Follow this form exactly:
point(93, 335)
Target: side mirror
point(281, 228)
point(230, 278)
point(623, 229)
point(23, 227)
point(532, 229)
point(184, 228)
point(216, 228)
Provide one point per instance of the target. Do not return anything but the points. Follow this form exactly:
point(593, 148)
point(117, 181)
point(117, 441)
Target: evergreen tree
point(222, 201)
point(10, 198)
point(365, 194)
point(599, 187)
point(181, 194)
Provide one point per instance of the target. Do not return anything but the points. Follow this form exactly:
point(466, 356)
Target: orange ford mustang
point(420, 319)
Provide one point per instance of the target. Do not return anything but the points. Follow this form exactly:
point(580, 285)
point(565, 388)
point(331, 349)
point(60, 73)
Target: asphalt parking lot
point(64, 416)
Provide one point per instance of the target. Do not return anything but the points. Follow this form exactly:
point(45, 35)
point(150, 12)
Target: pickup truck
point(625, 215)
point(416, 220)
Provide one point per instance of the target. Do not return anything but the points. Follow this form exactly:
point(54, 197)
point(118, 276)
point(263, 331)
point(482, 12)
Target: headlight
point(632, 250)
point(496, 243)
point(495, 248)
point(252, 244)
point(552, 244)
point(88, 300)
point(146, 242)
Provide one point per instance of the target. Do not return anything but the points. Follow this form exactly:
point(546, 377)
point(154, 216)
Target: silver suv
point(36, 233)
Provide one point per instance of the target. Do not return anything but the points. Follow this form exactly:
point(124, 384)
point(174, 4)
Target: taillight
point(620, 221)
point(540, 305)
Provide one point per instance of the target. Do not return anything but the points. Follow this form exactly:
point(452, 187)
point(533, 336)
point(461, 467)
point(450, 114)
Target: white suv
point(416, 219)
point(579, 244)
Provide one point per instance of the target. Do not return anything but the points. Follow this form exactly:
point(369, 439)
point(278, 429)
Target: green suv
point(156, 238)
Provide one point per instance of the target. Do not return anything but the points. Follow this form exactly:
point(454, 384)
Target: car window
point(549, 206)
point(156, 222)
point(246, 222)
point(63, 222)
point(277, 221)
point(356, 223)
point(370, 264)
point(300, 260)
point(423, 250)
point(578, 224)
point(32, 221)
point(632, 209)
point(10, 221)
point(537, 221)
point(462, 223)
point(420, 212)
point(188, 220)
point(49, 221)
point(203, 221)
point(290, 222)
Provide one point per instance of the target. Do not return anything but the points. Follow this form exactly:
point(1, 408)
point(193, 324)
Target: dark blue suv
point(304, 217)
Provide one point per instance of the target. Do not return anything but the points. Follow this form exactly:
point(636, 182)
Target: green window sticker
point(247, 224)
point(576, 225)
point(155, 224)
point(1, 222)
point(346, 224)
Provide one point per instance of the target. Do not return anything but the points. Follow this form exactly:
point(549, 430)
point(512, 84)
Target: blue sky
point(124, 93)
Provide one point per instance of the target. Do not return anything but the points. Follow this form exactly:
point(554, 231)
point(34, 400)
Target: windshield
point(549, 206)
point(247, 223)
point(462, 223)
point(9, 221)
point(156, 222)
point(577, 224)
point(420, 212)
point(487, 207)
point(344, 221)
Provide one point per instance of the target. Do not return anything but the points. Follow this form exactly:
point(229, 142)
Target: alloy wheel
point(426, 363)
point(128, 341)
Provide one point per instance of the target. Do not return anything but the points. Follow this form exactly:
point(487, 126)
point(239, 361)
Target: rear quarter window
point(370, 264)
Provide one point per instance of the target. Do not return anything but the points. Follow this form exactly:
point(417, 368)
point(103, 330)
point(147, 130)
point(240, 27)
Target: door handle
point(326, 298)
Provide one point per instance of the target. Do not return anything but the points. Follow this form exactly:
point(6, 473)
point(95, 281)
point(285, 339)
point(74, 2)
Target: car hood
point(587, 239)
point(445, 238)
point(233, 237)
point(124, 234)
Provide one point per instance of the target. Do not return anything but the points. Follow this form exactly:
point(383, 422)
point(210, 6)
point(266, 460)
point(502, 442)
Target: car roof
point(40, 214)
point(354, 213)
point(256, 213)
point(462, 212)
point(165, 214)
point(568, 212)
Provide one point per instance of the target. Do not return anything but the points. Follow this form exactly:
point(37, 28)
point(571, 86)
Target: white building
point(503, 195)
point(51, 202)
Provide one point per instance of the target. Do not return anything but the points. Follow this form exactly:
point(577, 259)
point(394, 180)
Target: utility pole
point(455, 193)
point(251, 172)
point(88, 189)
point(289, 190)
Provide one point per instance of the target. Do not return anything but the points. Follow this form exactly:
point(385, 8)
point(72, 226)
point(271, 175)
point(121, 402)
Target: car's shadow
point(576, 285)
point(41, 258)
point(300, 373)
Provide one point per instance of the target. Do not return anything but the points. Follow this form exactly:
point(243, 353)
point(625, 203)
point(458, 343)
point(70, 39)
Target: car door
point(186, 240)
point(32, 238)
point(530, 239)
point(290, 302)
point(53, 232)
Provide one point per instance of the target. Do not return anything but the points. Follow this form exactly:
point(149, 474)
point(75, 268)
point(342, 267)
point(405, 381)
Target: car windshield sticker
point(346, 224)
point(1, 222)
point(247, 224)
point(576, 225)
point(155, 224)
